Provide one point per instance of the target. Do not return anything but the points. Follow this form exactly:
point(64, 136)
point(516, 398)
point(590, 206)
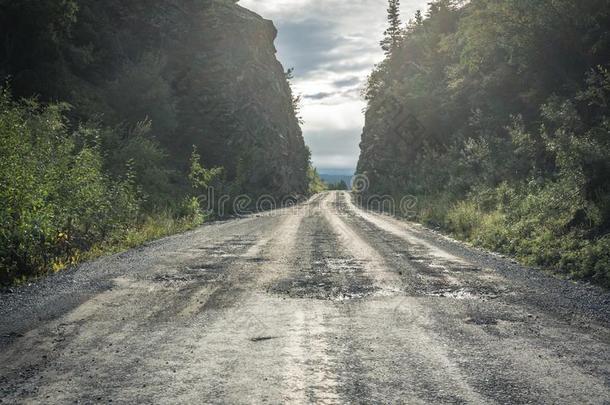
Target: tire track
point(319, 303)
point(533, 348)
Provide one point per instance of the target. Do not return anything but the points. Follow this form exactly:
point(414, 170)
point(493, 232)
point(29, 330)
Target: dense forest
point(495, 114)
point(116, 115)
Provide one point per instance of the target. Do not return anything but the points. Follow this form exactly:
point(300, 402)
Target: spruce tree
point(393, 33)
point(419, 18)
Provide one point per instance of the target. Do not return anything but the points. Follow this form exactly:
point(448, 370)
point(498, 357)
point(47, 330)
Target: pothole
point(482, 320)
point(205, 272)
point(197, 273)
point(227, 248)
point(172, 279)
point(205, 268)
point(465, 269)
point(256, 260)
point(262, 338)
point(333, 290)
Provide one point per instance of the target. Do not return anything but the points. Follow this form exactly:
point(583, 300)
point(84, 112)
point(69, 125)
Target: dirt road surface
point(325, 303)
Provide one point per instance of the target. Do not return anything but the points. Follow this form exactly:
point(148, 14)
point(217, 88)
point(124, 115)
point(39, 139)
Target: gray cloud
point(318, 96)
point(351, 93)
point(348, 82)
point(334, 149)
point(306, 45)
point(332, 45)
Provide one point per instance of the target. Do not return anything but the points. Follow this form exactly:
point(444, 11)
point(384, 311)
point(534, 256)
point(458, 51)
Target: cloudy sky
point(332, 45)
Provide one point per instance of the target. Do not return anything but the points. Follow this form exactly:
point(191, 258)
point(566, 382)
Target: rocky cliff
point(240, 92)
point(188, 72)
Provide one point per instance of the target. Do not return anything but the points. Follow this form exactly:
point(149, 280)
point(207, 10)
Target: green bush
point(59, 203)
point(190, 210)
point(55, 199)
point(463, 218)
point(537, 227)
point(316, 185)
point(501, 129)
point(432, 210)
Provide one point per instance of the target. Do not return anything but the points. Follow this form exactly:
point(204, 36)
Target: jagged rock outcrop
point(203, 72)
point(239, 90)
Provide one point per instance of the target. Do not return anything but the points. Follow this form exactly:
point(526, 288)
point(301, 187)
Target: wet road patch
point(262, 338)
point(482, 320)
point(462, 293)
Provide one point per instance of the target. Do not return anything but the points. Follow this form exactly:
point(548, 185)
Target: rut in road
point(321, 303)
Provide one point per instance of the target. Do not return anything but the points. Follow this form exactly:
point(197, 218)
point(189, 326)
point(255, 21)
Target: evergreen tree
point(419, 18)
point(393, 34)
point(415, 23)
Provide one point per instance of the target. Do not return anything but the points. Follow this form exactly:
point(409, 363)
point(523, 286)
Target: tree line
point(495, 114)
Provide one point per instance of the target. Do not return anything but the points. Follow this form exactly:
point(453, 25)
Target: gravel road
point(323, 303)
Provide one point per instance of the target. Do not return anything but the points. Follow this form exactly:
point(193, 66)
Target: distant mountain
point(336, 178)
point(342, 172)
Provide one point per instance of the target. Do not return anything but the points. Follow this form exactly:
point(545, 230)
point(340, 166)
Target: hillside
point(495, 115)
point(203, 72)
point(126, 115)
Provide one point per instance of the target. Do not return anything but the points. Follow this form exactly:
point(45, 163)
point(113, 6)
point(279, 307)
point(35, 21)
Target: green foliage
point(148, 228)
point(510, 149)
point(147, 159)
point(316, 185)
point(190, 210)
point(341, 185)
point(463, 218)
point(144, 80)
point(55, 199)
point(296, 99)
point(201, 178)
point(58, 204)
point(33, 33)
point(209, 185)
point(156, 77)
point(393, 34)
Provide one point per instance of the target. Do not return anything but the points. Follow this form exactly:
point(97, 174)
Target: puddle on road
point(262, 338)
point(482, 320)
point(462, 294)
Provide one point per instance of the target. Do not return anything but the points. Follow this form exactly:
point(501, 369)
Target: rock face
point(201, 72)
point(240, 92)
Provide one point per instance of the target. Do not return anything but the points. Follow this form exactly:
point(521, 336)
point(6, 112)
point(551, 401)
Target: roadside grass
point(153, 227)
point(150, 228)
point(536, 229)
point(534, 240)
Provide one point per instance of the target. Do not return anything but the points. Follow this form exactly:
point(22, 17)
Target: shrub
point(463, 219)
point(55, 199)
